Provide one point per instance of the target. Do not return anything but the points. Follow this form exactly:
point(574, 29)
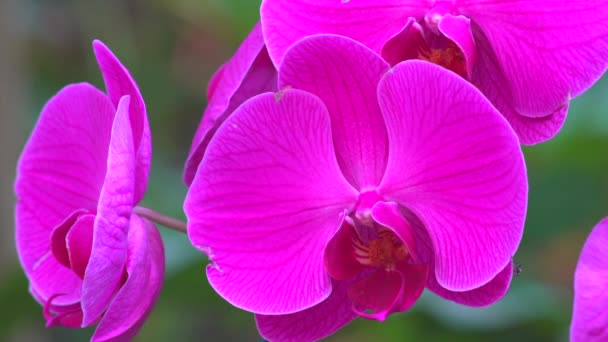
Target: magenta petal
point(145, 268)
point(483, 296)
point(589, 315)
point(119, 83)
point(367, 21)
point(458, 30)
point(215, 79)
point(340, 260)
point(330, 67)
point(312, 324)
point(109, 252)
point(79, 242)
point(534, 130)
point(455, 162)
point(248, 73)
point(487, 75)
point(550, 51)
point(61, 169)
point(267, 198)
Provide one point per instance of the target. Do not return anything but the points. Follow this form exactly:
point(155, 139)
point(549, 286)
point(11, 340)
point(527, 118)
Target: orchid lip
point(376, 262)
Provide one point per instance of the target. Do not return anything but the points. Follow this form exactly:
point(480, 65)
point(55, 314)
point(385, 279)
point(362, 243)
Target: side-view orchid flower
point(248, 73)
point(530, 58)
point(589, 319)
point(353, 188)
point(89, 257)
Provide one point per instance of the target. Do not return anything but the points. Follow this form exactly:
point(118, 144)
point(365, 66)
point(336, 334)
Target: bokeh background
point(172, 47)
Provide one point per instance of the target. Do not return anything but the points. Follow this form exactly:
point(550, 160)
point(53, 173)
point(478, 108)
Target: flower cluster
point(352, 154)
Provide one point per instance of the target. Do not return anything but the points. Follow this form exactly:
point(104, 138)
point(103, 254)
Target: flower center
point(374, 253)
point(450, 56)
point(385, 251)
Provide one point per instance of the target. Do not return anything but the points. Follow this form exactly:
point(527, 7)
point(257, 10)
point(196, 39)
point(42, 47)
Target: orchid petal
point(286, 22)
point(311, 324)
point(109, 251)
point(487, 75)
point(248, 73)
point(215, 79)
point(456, 164)
point(484, 295)
point(119, 83)
point(589, 316)
point(267, 198)
point(330, 67)
point(458, 30)
point(62, 169)
point(551, 51)
point(135, 299)
point(529, 130)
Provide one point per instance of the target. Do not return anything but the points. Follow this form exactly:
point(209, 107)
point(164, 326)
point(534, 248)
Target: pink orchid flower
point(352, 189)
point(88, 256)
point(589, 318)
point(248, 73)
point(530, 58)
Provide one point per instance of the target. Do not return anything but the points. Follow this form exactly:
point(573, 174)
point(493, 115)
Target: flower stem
point(169, 222)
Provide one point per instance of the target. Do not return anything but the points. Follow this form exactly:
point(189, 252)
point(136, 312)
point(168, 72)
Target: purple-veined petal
point(536, 130)
point(482, 296)
point(109, 252)
point(550, 51)
point(248, 73)
point(367, 21)
point(311, 324)
point(456, 164)
point(134, 301)
point(329, 66)
point(458, 30)
point(487, 75)
point(267, 198)
point(589, 315)
point(119, 83)
point(485, 295)
point(61, 170)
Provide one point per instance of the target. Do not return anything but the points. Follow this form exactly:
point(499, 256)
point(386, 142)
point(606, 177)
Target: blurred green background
point(172, 47)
